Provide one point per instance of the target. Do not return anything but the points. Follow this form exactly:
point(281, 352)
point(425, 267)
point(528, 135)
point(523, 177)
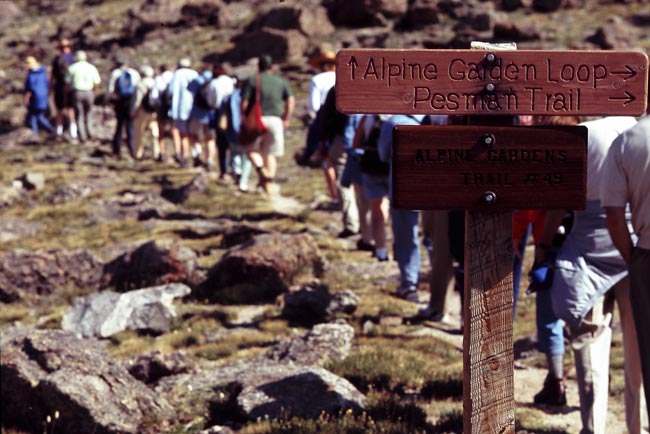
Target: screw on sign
point(488, 168)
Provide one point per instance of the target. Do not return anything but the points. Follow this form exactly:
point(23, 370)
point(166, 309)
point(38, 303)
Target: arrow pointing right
point(628, 98)
point(627, 74)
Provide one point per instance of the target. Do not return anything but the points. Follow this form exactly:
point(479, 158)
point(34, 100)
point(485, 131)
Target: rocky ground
point(138, 297)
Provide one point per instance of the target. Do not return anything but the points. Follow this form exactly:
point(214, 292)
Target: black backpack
point(149, 104)
point(201, 99)
point(370, 162)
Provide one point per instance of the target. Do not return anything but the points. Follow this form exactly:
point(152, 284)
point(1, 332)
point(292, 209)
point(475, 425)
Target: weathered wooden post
point(489, 170)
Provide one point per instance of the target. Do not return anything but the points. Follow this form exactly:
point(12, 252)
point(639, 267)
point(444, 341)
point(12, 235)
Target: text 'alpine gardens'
point(504, 82)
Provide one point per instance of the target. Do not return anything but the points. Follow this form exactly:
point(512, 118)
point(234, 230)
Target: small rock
point(149, 368)
point(324, 343)
point(32, 181)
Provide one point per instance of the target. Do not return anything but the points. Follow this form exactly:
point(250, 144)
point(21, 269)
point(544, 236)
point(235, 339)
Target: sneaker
point(365, 246)
point(429, 315)
point(345, 233)
point(553, 392)
point(408, 293)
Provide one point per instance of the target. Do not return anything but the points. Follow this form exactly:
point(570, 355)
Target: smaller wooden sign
point(489, 168)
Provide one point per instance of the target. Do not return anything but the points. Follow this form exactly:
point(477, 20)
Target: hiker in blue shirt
point(241, 165)
point(36, 92)
point(404, 222)
point(202, 119)
point(182, 100)
point(122, 87)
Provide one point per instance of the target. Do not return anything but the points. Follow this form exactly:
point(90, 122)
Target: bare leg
point(378, 217)
point(330, 179)
point(271, 164)
point(178, 146)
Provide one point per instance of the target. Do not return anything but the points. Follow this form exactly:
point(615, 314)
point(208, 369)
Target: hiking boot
point(346, 233)
point(553, 392)
point(365, 246)
point(408, 293)
point(431, 315)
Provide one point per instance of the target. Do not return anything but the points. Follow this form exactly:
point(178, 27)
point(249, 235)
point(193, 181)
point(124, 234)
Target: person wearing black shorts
point(62, 93)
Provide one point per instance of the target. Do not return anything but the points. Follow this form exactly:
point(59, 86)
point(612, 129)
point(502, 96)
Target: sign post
point(488, 168)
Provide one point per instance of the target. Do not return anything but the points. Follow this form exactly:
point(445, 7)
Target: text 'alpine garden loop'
point(505, 82)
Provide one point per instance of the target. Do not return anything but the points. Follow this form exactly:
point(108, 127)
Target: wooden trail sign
point(464, 82)
point(489, 168)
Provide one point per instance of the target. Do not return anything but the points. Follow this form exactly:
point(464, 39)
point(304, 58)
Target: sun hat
point(147, 71)
point(318, 59)
point(80, 56)
point(31, 62)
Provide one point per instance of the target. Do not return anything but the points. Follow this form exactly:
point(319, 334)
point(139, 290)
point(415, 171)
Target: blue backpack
point(125, 87)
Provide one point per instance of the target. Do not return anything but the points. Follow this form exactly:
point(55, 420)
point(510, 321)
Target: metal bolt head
point(489, 197)
point(490, 87)
point(490, 57)
point(488, 140)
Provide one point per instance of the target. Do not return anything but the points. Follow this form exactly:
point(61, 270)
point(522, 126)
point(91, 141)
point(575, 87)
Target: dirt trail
point(528, 380)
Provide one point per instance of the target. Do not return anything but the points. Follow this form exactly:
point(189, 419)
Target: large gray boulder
point(105, 313)
point(25, 274)
point(258, 388)
point(264, 267)
point(54, 373)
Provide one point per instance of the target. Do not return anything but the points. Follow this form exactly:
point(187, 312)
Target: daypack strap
point(426, 120)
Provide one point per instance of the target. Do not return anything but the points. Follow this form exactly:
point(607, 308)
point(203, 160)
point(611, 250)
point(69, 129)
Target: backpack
point(224, 115)
point(60, 68)
point(205, 98)
point(151, 102)
point(124, 86)
point(370, 162)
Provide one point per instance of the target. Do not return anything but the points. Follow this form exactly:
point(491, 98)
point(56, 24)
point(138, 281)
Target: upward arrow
point(628, 74)
point(353, 65)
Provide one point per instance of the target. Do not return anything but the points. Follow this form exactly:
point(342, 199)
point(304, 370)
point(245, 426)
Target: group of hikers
point(201, 109)
point(597, 257)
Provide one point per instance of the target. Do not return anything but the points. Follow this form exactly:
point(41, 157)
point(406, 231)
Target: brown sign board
point(489, 168)
point(469, 82)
